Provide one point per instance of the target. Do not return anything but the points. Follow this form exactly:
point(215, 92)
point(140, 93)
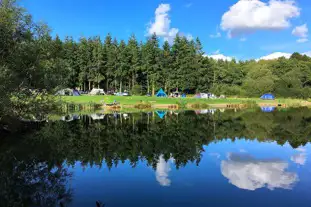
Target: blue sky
point(241, 29)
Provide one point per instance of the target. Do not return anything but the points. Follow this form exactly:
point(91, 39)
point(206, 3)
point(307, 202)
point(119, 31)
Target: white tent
point(97, 91)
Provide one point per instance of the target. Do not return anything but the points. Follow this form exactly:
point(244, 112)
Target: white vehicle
point(97, 91)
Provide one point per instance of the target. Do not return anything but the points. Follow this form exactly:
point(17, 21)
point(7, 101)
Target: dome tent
point(267, 96)
point(161, 93)
point(68, 92)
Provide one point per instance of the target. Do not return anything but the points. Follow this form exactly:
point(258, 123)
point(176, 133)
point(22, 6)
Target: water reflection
point(249, 173)
point(301, 157)
point(37, 166)
point(162, 172)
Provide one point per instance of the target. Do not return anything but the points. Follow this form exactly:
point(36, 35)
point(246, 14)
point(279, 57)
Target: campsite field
point(131, 100)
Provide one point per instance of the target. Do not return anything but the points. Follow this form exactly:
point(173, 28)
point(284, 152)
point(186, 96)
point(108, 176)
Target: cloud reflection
point(249, 173)
point(162, 172)
point(300, 158)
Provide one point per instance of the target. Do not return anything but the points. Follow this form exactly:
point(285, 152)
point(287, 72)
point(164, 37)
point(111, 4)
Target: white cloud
point(251, 15)
point(243, 39)
point(162, 172)
point(162, 24)
point(189, 37)
point(217, 35)
point(276, 55)
point(301, 32)
point(307, 53)
point(220, 57)
point(248, 173)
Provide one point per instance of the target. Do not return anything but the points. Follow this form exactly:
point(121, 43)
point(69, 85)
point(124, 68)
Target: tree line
point(31, 58)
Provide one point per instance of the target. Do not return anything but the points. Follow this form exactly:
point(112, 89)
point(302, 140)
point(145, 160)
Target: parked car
point(122, 94)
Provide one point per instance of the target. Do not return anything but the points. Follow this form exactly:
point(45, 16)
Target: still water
point(191, 158)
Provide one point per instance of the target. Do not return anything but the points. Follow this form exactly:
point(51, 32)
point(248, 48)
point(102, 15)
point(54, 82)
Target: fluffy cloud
point(162, 172)
point(162, 24)
point(276, 55)
point(217, 56)
point(307, 53)
point(248, 173)
point(301, 32)
point(250, 15)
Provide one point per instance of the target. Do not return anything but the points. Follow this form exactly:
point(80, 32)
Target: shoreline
point(141, 102)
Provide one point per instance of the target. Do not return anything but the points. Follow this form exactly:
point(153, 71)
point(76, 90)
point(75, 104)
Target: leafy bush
point(143, 105)
point(136, 90)
point(250, 104)
point(199, 105)
point(182, 104)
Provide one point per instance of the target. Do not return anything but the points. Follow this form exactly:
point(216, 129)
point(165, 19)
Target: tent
point(67, 92)
point(97, 91)
point(267, 96)
point(75, 92)
point(268, 109)
point(161, 114)
point(161, 93)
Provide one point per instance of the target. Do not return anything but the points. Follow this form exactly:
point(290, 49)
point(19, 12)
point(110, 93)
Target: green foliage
point(136, 90)
point(199, 105)
point(250, 104)
point(143, 105)
point(182, 104)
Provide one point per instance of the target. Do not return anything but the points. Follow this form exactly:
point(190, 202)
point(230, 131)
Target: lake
point(163, 158)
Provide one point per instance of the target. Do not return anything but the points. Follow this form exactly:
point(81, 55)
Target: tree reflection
point(29, 172)
point(32, 182)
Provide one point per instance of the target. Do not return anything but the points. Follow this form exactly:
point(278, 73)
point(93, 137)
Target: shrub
point(199, 105)
point(143, 105)
point(136, 90)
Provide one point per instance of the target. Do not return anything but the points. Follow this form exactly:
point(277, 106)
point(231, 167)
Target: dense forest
point(31, 58)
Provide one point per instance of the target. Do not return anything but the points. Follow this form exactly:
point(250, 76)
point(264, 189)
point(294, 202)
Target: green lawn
point(155, 100)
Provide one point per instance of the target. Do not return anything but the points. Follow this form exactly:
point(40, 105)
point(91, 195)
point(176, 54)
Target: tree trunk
point(153, 88)
point(133, 80)
point(107, 85)
point(120, 86)
point(89, 85)
point(148, 88)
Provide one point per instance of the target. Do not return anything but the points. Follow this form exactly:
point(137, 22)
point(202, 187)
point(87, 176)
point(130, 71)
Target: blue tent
point(267, 96)
point(75, 92)
point(161, 114)
point(161, 93)
point(268, 109)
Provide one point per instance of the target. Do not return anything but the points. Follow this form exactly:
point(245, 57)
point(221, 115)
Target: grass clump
point(143, 105)
point(182, 104)
point(250, 103)
point(199, 105)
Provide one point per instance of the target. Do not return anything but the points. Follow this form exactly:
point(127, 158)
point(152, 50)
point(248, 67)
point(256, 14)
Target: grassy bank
point(128, 102)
